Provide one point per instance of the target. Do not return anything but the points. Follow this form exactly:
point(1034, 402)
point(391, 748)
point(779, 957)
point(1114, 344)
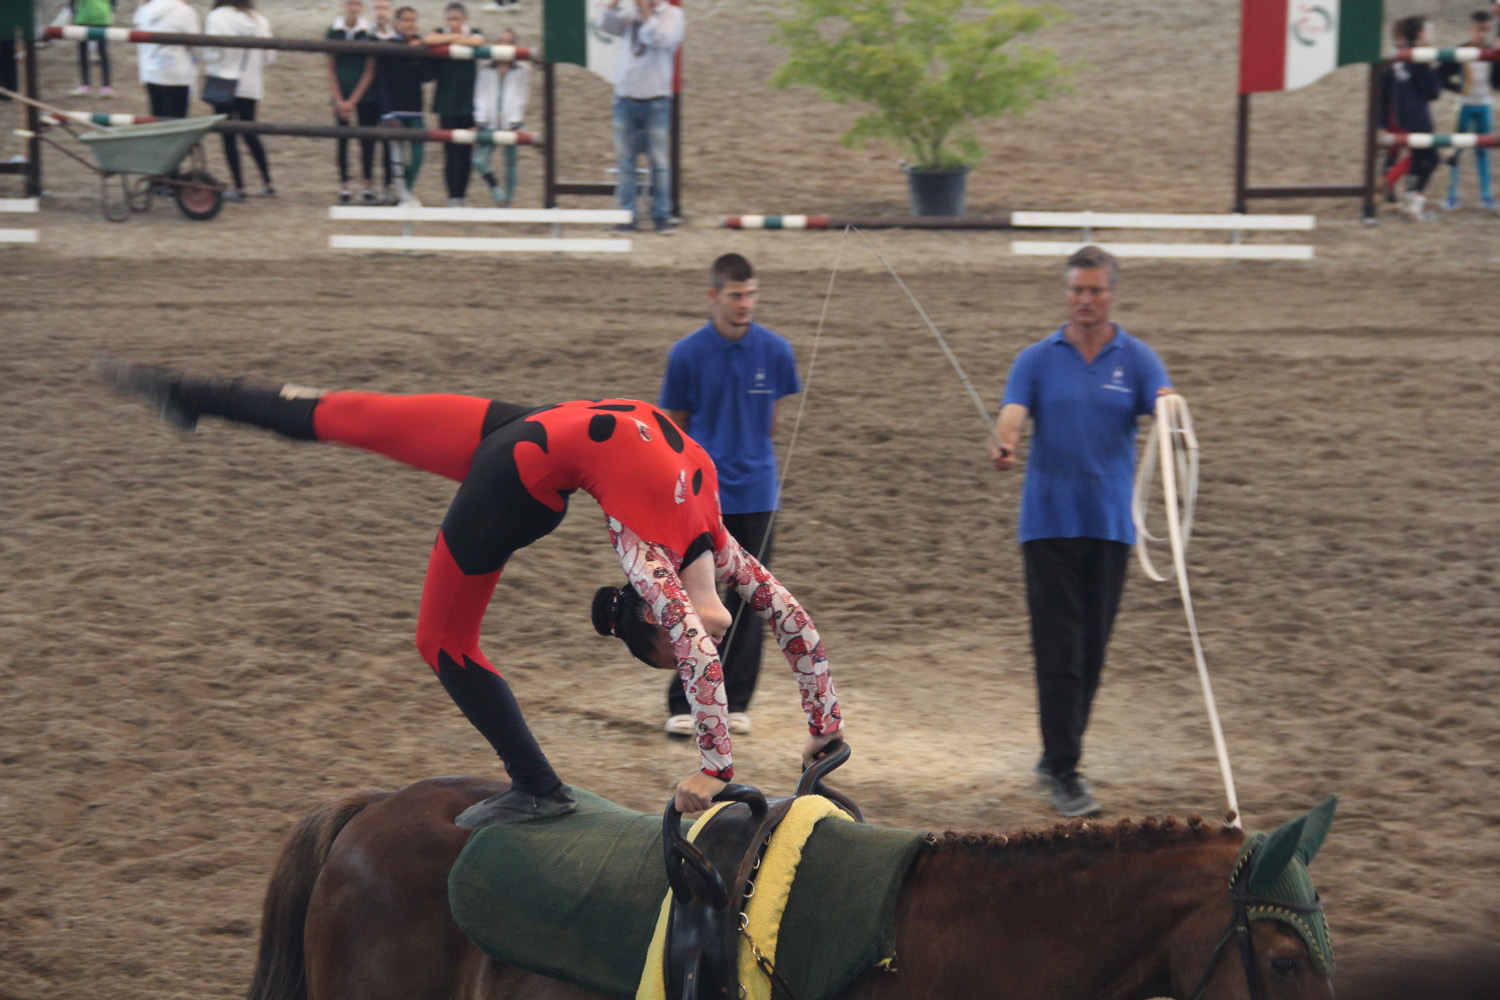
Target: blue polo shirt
point(731, 388)
point(1081, 464)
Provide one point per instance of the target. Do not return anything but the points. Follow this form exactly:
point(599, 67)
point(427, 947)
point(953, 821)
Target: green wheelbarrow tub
point(155, 148)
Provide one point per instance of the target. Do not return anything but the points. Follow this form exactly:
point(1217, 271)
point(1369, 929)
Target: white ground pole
point(18, 205)
point(1173, 443)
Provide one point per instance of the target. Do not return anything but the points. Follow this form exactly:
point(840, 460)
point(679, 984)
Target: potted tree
point(928, 70)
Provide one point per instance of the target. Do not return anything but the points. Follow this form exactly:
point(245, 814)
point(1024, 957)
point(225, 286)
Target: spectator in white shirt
point(245, 67)
point(501, 91)
point(167, 70)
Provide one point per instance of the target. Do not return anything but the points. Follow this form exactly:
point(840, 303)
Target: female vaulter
point(516, 466)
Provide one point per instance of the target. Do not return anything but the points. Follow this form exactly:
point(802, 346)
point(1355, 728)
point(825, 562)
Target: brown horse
point(357, 909)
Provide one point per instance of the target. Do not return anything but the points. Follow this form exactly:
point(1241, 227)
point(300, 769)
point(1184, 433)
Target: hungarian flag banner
point(1286, 44)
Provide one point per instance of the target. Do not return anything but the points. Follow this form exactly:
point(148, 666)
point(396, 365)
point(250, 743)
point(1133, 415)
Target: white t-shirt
point(166, 65)
point(245, 65)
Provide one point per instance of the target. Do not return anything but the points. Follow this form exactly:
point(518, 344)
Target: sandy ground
point(203, 636)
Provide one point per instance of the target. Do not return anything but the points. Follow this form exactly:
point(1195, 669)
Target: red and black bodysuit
point(517, 467)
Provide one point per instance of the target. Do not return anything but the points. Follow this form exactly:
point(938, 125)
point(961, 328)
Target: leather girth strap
point(702, 944)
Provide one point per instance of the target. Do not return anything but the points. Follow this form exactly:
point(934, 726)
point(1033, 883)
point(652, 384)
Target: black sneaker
point(664, 227)
point(1072, 796)
point(153, 383)
point(624, 227)
point(516, 806)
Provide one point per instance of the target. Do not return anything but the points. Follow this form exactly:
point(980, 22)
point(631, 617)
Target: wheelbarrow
point(146, 158)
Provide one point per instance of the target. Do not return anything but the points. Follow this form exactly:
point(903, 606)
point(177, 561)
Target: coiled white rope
point(1173, 445)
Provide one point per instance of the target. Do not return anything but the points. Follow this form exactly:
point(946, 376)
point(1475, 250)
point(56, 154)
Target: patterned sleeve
point(649, 568)
point(793, 628)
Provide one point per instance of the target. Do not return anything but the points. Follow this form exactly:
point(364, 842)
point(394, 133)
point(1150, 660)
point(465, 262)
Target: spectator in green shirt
point(453, 102)
point(349, 84)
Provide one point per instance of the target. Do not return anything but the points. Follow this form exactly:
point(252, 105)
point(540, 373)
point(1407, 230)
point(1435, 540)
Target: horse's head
point(1277, 945)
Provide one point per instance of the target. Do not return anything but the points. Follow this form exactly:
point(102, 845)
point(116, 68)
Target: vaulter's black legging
point(461, 437)
point(243, 109)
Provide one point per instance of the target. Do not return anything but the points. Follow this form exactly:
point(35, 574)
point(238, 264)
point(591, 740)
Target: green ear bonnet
point(1277, 873)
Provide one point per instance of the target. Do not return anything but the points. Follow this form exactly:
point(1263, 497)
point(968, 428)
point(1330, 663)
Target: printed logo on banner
point(1310, 24)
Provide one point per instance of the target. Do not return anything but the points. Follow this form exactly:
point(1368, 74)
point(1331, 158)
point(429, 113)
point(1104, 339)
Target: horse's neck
point(1061, 920)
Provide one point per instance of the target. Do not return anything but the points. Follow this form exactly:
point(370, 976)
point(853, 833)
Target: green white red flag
point(1285, 44)
point(570, 36)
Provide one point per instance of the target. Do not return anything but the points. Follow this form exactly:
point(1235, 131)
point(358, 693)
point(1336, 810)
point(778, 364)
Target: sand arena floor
point(204, 636)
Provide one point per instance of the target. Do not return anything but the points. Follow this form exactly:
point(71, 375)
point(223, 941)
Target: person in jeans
point(245, 67)
point(501, 90)
point(1084, 388)
point(650, 32)
point(398, 98)
point(724, 385)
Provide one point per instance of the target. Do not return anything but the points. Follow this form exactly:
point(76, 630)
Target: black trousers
point(1073, 588)
point(365, 115)
point(1423, 163)
point(167, 101)
point(243, 109)
point(740, 657)
point(458, 159)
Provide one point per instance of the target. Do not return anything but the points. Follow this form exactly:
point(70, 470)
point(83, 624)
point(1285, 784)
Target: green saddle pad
point(576, 897)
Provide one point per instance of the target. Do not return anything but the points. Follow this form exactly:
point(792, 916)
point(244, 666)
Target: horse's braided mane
point(1084, 833)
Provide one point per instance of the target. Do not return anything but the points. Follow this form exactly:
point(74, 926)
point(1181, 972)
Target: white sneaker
point(680, 725)
point(739, 723)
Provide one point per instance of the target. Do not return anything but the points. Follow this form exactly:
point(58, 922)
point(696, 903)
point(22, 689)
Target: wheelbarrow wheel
point(198, 195)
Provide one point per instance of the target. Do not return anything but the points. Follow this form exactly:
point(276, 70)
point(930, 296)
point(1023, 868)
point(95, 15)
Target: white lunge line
point(1173, 441)
point(984, 411)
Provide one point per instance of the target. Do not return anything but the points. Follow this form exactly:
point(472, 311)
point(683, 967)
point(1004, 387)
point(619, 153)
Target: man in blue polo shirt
point(722, 386)
point(1084, 388)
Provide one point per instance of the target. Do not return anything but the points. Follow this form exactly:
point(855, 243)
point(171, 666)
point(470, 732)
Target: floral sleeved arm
point(649, 567)
point(793, 628)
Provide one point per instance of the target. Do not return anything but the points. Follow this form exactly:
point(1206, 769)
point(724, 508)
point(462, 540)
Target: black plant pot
point(936, 192)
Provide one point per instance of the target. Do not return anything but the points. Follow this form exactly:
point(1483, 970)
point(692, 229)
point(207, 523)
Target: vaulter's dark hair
point(620, 612)
point(1481, 17)
point(727, 268)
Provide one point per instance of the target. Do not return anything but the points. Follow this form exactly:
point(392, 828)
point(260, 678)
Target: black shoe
point(624, 227)
point(516, 806)
point(1072, 796)
point(158, 386)
point(664, 227)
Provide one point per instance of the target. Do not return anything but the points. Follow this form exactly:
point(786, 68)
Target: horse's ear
point(1272, 857)
point(1319, 819)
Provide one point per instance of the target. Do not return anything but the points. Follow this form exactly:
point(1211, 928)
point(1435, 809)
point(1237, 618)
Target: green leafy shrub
point(929, 69)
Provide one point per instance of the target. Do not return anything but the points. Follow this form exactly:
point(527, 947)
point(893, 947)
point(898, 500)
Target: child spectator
point(1407, 88)
point(246, 68)
point(384, 30)
point(501, 90)
point(349, 82)
point(93, 14)
point(1474, 82)
point(167, 71)
point(399, 100)
point(453, 102)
